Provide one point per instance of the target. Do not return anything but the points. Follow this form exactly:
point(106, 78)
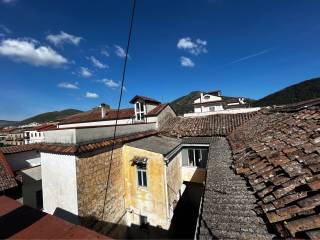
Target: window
point(143, 220)
point(142, 175)
point(206, 97)
point(140, 111)
point(197, 157)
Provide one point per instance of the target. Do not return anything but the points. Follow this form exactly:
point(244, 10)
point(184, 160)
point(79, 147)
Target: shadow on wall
point(199, 176)
point(118, 230)
point(184, 221)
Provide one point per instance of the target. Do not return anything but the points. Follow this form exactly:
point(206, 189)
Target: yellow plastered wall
point(149, 201)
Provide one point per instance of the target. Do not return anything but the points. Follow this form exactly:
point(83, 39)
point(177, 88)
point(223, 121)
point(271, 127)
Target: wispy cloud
point(250, 56)
point(91, 95)
point(63, 37)
point(97, 63)
point(194, 47)
point(4, 29)
point(186, 62)
point(119, 51)
point(29, 51)
point(109, 83)
point(68, 85)
point(85, 72)
point(105, 52)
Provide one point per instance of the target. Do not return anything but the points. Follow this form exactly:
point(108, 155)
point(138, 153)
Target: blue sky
point(68, 54)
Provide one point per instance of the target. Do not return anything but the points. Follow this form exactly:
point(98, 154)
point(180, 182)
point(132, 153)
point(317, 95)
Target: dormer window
point(206, 97)
point(140, 111)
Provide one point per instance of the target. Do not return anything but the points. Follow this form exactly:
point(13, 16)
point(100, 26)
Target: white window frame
point(194, 164)
point(141, 171)
point(140, 114)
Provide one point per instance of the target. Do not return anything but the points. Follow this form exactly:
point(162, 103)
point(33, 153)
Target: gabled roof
point(22, 222)
point(157, 110)
point(7, 180)
point(279, 155)
point(94, 115)
point(46, 127)
point(146, 99)
point(77, 149)
point(213, 125)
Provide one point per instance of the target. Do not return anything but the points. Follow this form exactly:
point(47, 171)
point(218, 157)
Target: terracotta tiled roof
point(157, 110)
point(93, 146)
point(227, 208)
point(95, 115)
point(213, 125)
point(7, 180)
point(46, 127)
point(18, 149)
point(279, 155)
point(22, 222)
point(146, 99)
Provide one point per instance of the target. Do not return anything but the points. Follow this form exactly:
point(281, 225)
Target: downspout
point(166, 191)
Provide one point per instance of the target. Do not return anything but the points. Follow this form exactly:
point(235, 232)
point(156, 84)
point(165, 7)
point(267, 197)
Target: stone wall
point(92, 178)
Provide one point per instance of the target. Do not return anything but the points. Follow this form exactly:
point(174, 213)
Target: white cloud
point(64, 37)
point(29, 51)
point(97, 63)
point(91, 95)
point(68, 85)
point(105, 52)
point(119, 51)
point(194, 47)
point(85, 72)
point(110, 83)
point(186, 62)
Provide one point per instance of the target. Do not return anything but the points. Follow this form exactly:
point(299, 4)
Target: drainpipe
point(166, 191)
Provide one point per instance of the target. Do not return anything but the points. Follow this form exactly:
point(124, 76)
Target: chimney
point(104, 108)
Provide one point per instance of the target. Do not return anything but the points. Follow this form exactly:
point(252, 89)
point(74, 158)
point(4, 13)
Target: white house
point(36, 135)
point(213, 103)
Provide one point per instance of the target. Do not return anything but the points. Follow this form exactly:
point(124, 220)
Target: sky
point(69, 54)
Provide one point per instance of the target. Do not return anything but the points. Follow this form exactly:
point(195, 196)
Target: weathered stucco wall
point(150, 201)
point(193, 174)
point(59, 183)
point(92, 178)
point(174, 181)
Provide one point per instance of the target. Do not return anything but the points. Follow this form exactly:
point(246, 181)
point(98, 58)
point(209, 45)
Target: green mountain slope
point(50, 116)
point(184, 104)
point(305, 90)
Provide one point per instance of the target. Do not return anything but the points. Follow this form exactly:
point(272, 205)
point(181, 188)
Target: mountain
point(4, 123)
point(184, 104)
point(50, 116)
point(305, 90)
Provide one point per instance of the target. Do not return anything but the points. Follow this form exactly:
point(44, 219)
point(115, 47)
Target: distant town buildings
point(160, 165)
point(213, 102)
